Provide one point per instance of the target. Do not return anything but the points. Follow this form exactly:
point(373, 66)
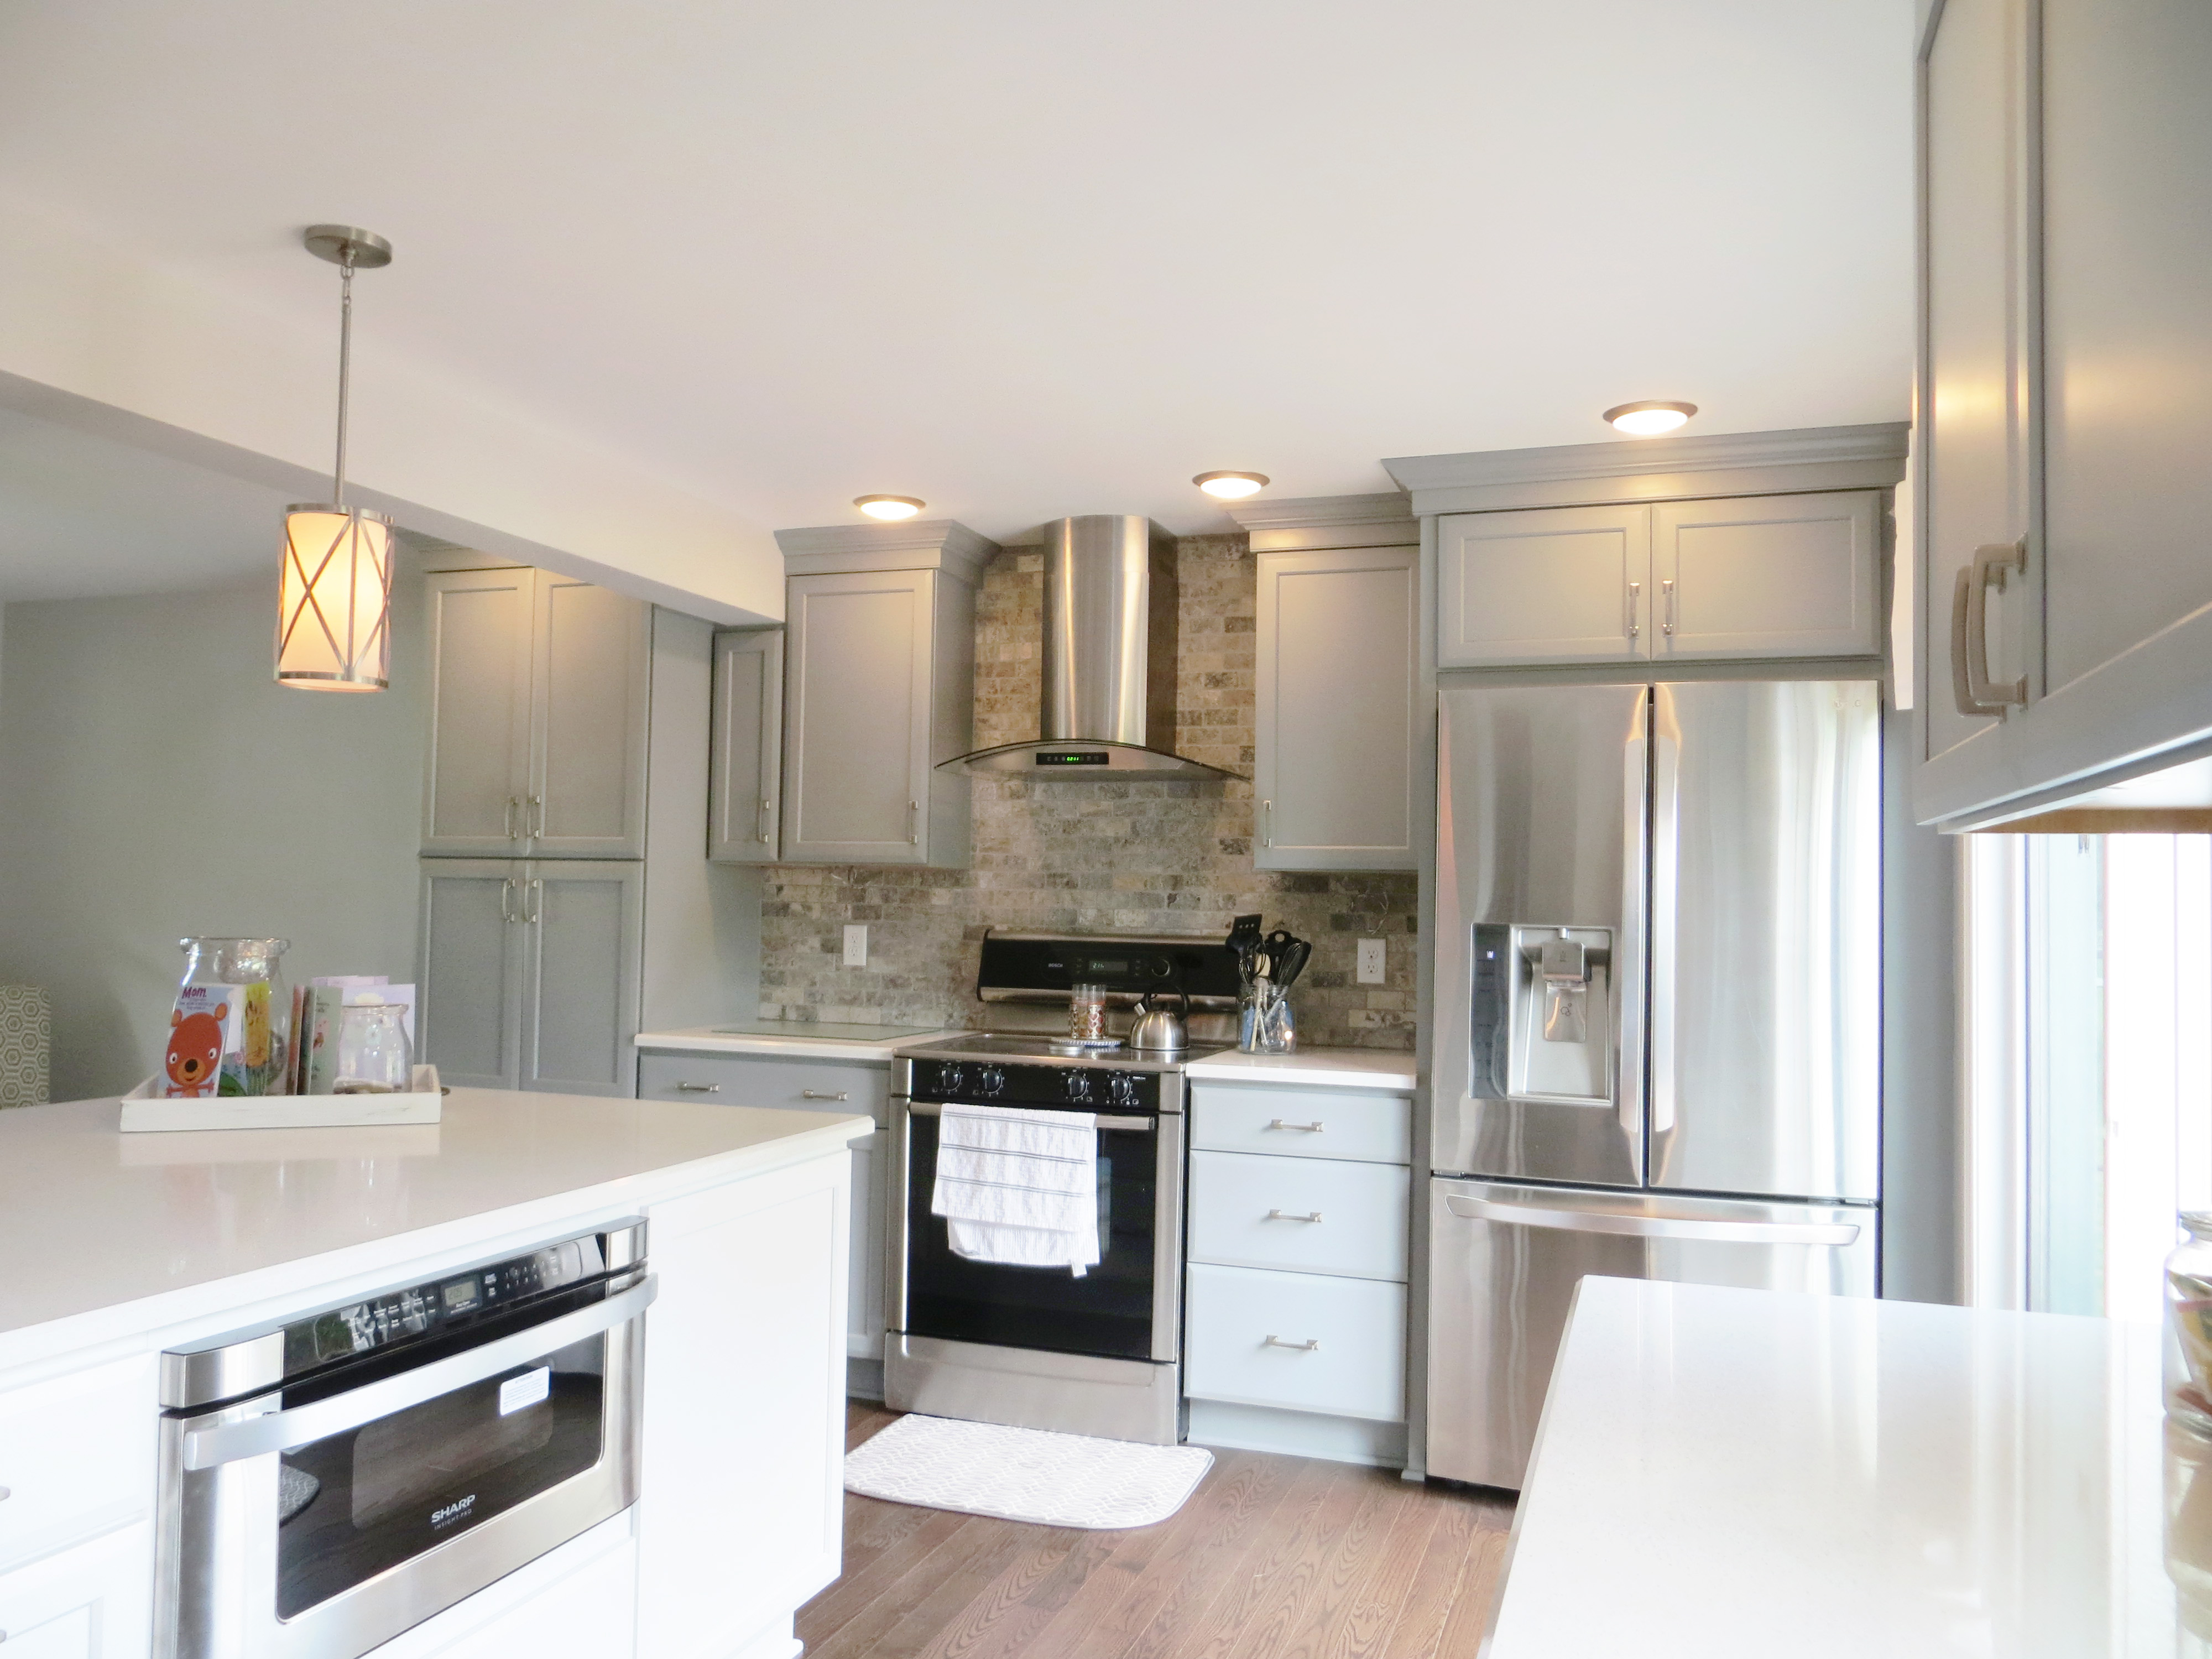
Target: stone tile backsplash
point(1173, 858)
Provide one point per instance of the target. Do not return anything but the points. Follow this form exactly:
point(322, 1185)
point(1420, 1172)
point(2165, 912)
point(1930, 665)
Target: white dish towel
point(1018, 1186)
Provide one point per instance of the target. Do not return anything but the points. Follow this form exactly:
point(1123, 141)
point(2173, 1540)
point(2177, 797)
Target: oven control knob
point(1077, 1085)
point(1122, 1089)
point(990, 1080)
point(951, 1078)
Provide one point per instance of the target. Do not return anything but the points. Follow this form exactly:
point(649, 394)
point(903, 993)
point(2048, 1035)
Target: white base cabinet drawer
point(94, 1602)
point(1303, 1341)
point(806, 1085)
point(1306, 1214)
point(1366, 1127)
point(76, 1456)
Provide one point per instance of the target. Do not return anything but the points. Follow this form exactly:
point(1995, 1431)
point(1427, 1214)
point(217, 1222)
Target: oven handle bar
point(209, 1448)
point(929, 1108)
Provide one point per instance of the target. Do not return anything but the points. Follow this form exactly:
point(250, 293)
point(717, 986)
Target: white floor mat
point(1025, 1474)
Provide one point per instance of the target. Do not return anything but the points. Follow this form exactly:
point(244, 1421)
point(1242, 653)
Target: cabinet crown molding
point(1656, 469)
point(918, 545)
point(1384, 519)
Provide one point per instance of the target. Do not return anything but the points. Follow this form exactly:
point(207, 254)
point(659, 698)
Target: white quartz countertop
point(1726, 1473)
point(705, 1039)
point(1335, 1068)
point(91, 1217)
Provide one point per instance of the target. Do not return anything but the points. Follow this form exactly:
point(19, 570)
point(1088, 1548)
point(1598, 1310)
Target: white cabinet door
point(92, 1602)
point(863, 1314)
point(858, 759)
point(1559, 585)
point(741, 1510)
point(1336, 719)
point(469, 982)
point(745, 768)
point(583, 931)
point(476, 775)
point(1768, 576)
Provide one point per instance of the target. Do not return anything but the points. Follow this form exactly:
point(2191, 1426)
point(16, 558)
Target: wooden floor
point(1271, 1556)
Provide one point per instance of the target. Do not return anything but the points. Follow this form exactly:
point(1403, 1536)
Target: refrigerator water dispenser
point(1543, 1014)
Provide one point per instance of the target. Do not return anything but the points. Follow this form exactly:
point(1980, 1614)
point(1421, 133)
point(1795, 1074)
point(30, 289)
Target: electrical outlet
point(1371, 962)
point(856, 944)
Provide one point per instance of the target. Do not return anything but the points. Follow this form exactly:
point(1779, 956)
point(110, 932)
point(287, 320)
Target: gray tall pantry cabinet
point(534, 831)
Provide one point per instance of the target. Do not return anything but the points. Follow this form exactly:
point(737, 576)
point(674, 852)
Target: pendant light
point(334, 589)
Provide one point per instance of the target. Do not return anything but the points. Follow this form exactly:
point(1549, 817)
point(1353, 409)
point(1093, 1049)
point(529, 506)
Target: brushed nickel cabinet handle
point(1287, 1215)
point(822, 1094)
point(1667, 614)
point(1312, 1128)
point(506, 818)
point(538, 804)
point(537, 901)
point(766, 817)
point(1311, 1346)
point(1268, 832)
point(913, 823)
point(699, 1088)
point(1635, 609)
point(1993, 564)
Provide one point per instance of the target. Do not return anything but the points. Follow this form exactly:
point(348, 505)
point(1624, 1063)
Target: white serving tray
point(144, 1112)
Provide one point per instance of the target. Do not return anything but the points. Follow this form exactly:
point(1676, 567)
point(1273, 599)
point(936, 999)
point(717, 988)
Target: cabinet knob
point(1312, 1344)
point(699, 1088)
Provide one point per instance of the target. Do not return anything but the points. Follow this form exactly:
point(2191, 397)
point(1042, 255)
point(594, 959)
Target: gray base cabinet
point(1337, 720)
point(746, 759)
point(529, 971)
point(538, 708)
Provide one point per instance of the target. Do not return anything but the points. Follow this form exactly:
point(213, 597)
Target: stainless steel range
point(1036, 1346)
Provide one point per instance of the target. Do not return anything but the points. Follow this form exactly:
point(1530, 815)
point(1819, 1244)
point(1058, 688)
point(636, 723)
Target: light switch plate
point(856, 944)
point(1371, 962)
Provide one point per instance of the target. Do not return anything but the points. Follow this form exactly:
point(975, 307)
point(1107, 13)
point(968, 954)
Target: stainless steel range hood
point(1109, 659)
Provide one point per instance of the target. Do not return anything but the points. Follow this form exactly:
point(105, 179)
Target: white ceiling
point(1023, 259)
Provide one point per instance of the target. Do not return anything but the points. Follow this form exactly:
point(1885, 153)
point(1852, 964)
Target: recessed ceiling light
point(1232, 486)
point(889, 507)
point(1648, 419)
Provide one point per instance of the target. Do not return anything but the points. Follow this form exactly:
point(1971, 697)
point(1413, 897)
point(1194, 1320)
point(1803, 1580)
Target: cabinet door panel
point(584, 938)
point(470, 999)
point(475, 775)
point(864, 1312)
point(1336, 723)
point(1976, 369)
point(2127, 324)
point(858, 725)
point(1771, 576)
point(1561, 585)
point(746, 759)
point(588, 721)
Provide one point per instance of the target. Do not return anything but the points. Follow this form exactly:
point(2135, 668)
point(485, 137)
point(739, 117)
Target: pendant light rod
point(349, 248)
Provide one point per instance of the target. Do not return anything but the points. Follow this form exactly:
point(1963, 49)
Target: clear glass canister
point(230, 1032)
point(2189, 1324)
point(1086, 1013)
point(374, 1055)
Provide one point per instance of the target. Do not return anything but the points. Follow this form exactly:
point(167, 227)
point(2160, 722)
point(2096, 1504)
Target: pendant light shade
point(334, 586)
point(334, 601)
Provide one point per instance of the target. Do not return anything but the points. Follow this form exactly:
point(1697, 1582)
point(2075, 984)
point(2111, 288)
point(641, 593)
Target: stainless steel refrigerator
point(1658, 1017)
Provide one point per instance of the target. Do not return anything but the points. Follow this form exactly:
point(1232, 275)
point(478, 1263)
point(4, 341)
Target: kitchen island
point(122, 1246)
point(1730, 1473)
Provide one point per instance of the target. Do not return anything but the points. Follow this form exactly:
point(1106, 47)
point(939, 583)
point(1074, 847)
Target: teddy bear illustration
point(195, 1056)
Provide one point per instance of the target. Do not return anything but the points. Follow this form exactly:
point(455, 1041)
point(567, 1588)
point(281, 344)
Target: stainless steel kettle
point(1158, 1030)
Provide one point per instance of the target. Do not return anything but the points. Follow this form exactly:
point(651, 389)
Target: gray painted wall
point(156, 782)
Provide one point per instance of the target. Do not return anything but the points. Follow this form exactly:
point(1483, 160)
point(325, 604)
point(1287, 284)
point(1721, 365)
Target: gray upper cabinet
point(2066, 316)
point(1772, 576)
point(1766, 576)
point(745, 768)
point(880, 687)
point(1562, 585)
point(469, 1001)
point(1337, 716)
point(537, 717)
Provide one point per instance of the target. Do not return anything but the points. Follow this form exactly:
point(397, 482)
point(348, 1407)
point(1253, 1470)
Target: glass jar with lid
point(2189, 1324)
point(230, 1031)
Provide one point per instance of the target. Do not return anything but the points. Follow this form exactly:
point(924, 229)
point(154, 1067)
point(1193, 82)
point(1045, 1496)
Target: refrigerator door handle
point(1628, 972)
point(1833, 1235)
point(1666, 891)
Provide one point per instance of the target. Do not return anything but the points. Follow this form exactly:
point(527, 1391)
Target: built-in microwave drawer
point(1298, 1341)
point(811, 1085)
point(76, 1455)
point(1367, 1127)
point(1306, 1214)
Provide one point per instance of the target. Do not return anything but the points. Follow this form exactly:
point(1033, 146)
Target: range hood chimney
point(1109, 658)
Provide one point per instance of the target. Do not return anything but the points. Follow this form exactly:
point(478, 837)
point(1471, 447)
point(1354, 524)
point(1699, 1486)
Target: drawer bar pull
point(1312, 1128)
point(1311, 1346)
point(823, 1093)
point(699, 1088)
point(1286, 1215)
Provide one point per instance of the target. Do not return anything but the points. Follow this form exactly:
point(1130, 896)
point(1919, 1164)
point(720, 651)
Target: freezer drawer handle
point(1312, 1128)
point(1286, 1215)
point(1311, 1346)
point(1835, 1234)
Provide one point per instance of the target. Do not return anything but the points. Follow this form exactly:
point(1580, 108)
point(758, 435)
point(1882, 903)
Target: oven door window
point(359, 1503)
point(1108, 1311)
